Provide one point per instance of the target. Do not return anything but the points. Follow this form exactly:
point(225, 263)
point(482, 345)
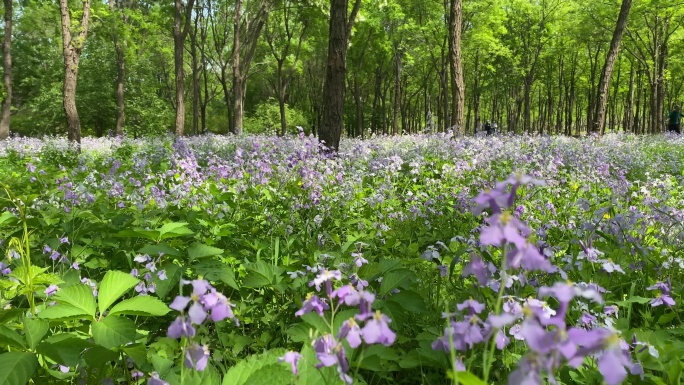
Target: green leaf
point(62, 312)
point(78, 296)
point(9, 315)
point(64, 349)
point(259, 369)
point(200, 250)
point(9, 337)
point(666, 318)
point(154, 250)
point(217, 271)
point(113, 286)
point(409, 300)
point(635, 299)
point(137, 353)
point(394, 280)
point(174, 229)
point(467, 378)
point(35, 329)
point(173, 276)
point(143, 305)
point(98, 356)
point(112, 332)
point(17, 368)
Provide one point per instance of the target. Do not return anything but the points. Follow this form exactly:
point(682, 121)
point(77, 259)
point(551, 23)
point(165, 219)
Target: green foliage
point(266, 119)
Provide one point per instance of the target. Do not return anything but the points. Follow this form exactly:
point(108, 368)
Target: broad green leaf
point(143, 305)
point(9, 337)
point(112, 332)
point(174, 229)
point(154, 250)
point(259, 274)
point(173, 276)
point(98, 356)
point(635, 299)
point(7, 217)
point(113, 286)
point(64, 349)
point(78, 296)
point(394, 280)
point(410, 300)
point(17, 368)
point(62, 312)
point(200, 250)
point(35, 329)
point(217, 271)
point(9, 314)
point(467, 378)
point(139, 233)
point(137, 353)
point(259, 369)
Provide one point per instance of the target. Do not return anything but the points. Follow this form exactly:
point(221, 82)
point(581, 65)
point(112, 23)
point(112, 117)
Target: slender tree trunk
point(629, 105)
point(334, 87)
point(599, 117)
point(397, 91)
point(7, 72)
point(72, 48)
point(238, 96)
point(359, 106)
point(180, 31)
point(376, 98)
point(455, 61)
point(196, 87)
point(476, 91)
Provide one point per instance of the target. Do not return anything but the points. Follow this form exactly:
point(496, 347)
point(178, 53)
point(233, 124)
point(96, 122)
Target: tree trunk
point(196, 89)
point(457, 83)
point(180, 31)
point(476, 91)
point(599, 117)
point(72, 48)
point(7, 72)
point(115, 6)
point(629, 105)
point(397, 91)
point(339, 33)
point(238, 108)
point(359, 106)
point(376, 98)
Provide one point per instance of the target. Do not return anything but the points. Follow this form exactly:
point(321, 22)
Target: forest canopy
point(528, 65)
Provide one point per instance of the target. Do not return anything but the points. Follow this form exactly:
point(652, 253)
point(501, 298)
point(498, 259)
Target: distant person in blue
point(488, 128)
point(675, 120)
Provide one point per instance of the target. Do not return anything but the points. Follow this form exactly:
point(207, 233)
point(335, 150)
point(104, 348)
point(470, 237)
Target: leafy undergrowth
point(260, 260)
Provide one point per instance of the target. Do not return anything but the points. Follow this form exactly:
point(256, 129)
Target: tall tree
point(246, 31)
point(181, 26)
point(120, 65)
point(456, 66)
point(72, 48)
point(7, 74)
point(599, 118)
point(339, 33)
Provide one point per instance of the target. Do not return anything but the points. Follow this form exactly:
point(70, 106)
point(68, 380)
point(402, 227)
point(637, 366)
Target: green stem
point(488, 358)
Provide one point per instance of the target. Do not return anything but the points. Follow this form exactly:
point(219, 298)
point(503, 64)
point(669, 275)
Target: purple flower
point(55, 255)
point(140, 258)
point(477, 268)
point(155, 380)
point(376, 330)
point(52, 289)
point(220, 307)
point(181, 327)
point(4, 269)
point(614, 362)
point(663, 297)
point(351, 331)
point(501, 340)
point(326, 276)
point(47, 249)
point(474, 306)
point(64, 240)
point(359, 260)
point(312, 303)
point(443, 270)
point(503, 228)
point(330, 352)
point(196, 357)
point(136, 374)
point(291, 358)
point(529, 258)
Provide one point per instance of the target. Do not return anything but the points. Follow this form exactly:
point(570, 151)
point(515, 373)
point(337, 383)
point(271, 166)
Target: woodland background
point(259, 65)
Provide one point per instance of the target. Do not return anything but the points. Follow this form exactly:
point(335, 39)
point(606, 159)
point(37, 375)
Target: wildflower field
point(402, 260)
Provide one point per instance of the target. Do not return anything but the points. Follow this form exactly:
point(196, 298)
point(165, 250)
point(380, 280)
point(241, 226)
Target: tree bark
point(7, 72)
point(72, 48)
point(180, 31)
point(196, 89)
point(599, 118)
point(238, 96)
point(397, 91)
point(457, 83)
point(116, 6)
point(334, 87)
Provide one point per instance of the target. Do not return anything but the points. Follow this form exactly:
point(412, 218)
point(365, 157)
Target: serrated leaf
point(34, 330)
point(9, 337)
point(174, 228)
point(113, 286)
point(78, 296)
point(98, 356)
point(62, 312)
point(154, 250)
point(259, 369)
point(394, 280)
point(112, 332)
point(17, 368)
point(200, 250)
point(143, 305)
point(64, 349)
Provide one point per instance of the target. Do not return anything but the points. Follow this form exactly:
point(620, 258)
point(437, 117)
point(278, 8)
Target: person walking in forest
point(488, 128)
point(675, 120)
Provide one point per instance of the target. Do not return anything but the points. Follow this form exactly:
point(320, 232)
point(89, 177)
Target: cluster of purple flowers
point(366, 326)
point(150, 267)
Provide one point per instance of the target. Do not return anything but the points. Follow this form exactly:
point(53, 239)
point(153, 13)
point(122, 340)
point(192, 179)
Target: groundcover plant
point(400, 260)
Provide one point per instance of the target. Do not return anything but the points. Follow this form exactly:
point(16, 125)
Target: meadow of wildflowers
point(400, 260)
